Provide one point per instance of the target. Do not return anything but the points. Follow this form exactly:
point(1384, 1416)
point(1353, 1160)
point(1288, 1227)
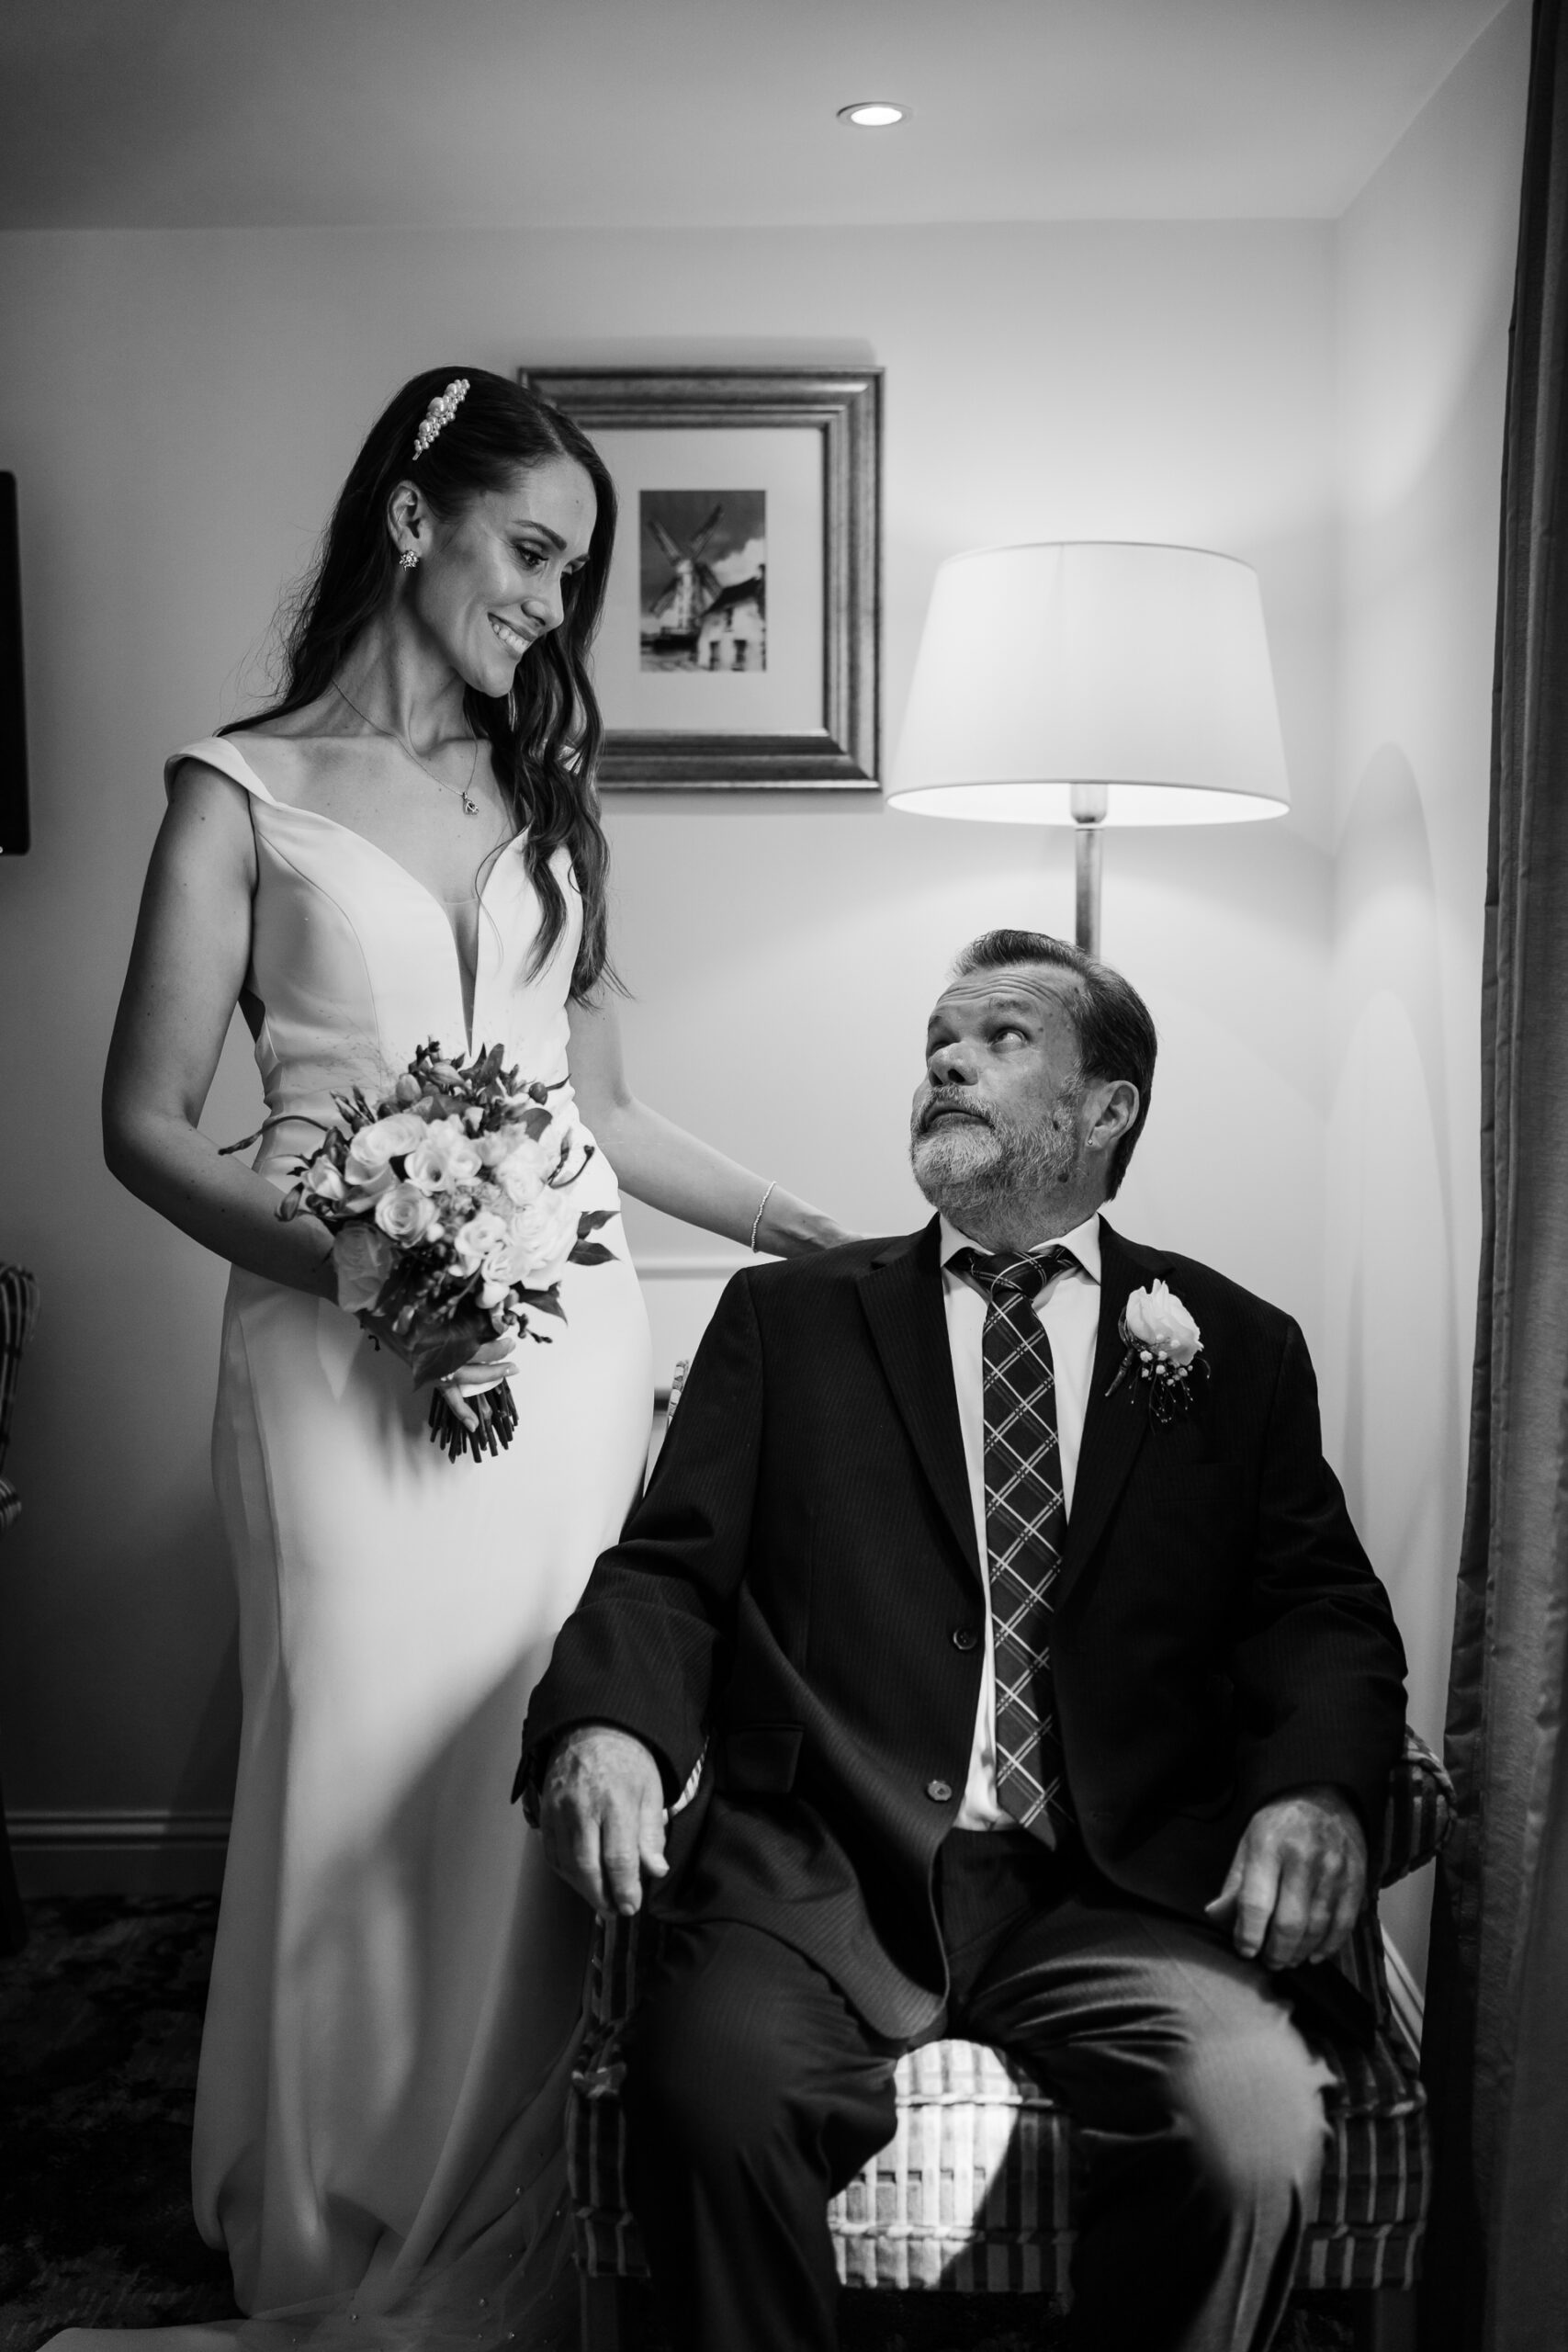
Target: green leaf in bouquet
point(543, 1301)
point(442, 1348)
point(591, 1253)
point(362, 1260)
point(592, 1220)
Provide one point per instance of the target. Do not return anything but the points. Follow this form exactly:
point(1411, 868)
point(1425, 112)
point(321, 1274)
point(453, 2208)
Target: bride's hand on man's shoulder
point(792, 1228)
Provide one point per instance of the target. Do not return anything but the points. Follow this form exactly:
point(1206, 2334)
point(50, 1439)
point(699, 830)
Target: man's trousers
point(754, 2093)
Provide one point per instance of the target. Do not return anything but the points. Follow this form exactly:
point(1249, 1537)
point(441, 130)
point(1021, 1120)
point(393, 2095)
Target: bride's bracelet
point(761, 1204)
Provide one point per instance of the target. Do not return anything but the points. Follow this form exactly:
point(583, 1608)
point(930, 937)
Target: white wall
point(179, 411)
point(1424, 268)
point(182, 412)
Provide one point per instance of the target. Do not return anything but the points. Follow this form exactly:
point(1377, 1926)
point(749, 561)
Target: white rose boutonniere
point(1165, 1349)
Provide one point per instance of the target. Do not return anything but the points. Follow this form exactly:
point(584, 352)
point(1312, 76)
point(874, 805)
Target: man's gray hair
point(1116, 1030)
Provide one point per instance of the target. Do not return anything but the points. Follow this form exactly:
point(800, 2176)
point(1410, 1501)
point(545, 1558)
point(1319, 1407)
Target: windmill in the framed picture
point(739, 648)
point(703, 584)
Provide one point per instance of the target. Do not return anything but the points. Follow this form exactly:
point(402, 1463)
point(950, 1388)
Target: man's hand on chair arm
point(602, 1814)
point(1298, 1879)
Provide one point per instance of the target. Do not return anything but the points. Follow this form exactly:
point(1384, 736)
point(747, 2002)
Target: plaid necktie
point(1026, 1519)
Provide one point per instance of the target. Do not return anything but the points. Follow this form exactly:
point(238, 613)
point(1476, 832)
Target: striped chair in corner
point(18, 1313)
point(975, 2190)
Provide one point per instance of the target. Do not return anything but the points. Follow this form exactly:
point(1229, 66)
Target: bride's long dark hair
point(545, 736)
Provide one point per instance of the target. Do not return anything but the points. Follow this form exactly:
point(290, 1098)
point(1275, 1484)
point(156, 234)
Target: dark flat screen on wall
point(14, 833)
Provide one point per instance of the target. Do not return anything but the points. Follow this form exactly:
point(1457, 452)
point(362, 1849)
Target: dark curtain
point(1497, 2027)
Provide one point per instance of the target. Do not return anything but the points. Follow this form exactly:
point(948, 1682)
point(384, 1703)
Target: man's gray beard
point(971, 1178)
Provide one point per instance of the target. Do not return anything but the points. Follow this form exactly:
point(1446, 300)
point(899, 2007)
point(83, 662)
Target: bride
point(406, 844)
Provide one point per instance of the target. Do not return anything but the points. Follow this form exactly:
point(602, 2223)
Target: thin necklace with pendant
point(464, 792)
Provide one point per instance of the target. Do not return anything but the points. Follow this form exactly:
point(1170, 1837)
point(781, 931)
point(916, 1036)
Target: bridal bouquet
point(450, 1202)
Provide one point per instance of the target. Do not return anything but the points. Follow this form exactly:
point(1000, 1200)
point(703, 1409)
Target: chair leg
point(611, 2315)
point(1383, 2321)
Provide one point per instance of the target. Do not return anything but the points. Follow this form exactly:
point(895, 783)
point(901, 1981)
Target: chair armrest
point(1417, 1821)
point(1419, 1813)
point(18, 1313)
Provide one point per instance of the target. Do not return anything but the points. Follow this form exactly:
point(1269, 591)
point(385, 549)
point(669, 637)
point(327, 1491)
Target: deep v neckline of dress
point(468, 974)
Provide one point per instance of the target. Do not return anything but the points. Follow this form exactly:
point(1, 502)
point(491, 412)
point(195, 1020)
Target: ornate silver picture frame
point(740, 644)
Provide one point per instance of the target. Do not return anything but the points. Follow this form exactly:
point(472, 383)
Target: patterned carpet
point(100, 2023)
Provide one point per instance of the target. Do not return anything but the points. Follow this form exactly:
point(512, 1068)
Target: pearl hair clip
point(440, 411)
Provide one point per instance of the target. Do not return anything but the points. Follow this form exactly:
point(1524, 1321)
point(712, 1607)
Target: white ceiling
point(653, 113)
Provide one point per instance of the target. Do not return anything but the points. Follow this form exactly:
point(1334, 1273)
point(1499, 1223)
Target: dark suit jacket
point(801, 1583)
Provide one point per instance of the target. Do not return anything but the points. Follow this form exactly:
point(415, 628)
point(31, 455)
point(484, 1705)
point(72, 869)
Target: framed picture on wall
point(740, 644)
point(14, 831)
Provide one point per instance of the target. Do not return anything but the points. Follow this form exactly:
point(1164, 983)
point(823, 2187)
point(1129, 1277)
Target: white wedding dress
point(397, 1983)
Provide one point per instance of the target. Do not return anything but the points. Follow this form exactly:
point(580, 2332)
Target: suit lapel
point(1114, 1427)
point(902, 1297)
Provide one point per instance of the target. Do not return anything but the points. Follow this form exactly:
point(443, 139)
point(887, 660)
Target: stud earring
point(409, 561)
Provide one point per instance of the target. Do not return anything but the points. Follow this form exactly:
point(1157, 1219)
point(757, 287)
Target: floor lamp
point(1092, 683)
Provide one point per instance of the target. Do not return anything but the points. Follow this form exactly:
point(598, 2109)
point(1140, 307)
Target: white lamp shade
point(1140, 670)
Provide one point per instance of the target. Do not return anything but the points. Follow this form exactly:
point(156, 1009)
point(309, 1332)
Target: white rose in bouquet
point(542, 1238)
point(443, 1158)
point(366, 1191)
point(373, 1147)
point(323, 1181)
point(405, 1214)
point(527, 1168)
point(474, 1242)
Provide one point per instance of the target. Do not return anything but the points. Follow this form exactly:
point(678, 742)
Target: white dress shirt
point(1068, 1307)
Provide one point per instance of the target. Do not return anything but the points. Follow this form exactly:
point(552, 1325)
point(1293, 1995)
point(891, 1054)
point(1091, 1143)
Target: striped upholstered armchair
point(975, 2190)
point(18, 1313)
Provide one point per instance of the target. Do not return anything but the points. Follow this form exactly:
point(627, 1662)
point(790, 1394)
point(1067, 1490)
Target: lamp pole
point(1089, 804)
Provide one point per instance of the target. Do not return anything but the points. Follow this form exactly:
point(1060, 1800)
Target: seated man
point(1050, 1700)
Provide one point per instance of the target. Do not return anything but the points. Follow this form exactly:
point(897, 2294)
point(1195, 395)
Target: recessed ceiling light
point(873, 114)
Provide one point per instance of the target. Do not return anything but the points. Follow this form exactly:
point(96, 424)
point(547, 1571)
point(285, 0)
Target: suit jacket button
point(964, 1637)
point(939, 1791)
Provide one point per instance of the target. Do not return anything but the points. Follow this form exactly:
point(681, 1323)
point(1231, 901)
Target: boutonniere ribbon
point(1164, 1351)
